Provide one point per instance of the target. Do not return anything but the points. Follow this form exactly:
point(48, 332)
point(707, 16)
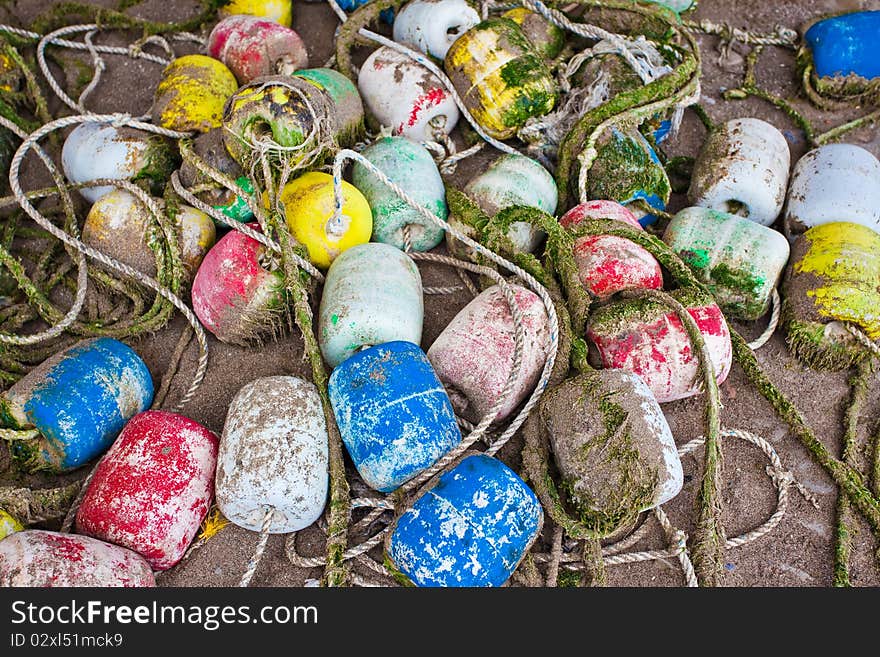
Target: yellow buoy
point(192, 93)
point(309, 205)
point(274, 10)
point(8, 525)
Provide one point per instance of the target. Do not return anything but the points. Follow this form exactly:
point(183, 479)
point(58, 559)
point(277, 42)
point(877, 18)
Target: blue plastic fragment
point(846, 44)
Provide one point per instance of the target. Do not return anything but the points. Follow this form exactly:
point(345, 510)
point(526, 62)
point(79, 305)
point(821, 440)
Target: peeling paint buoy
point(547, 38)
point(153, 488)
point(473, 356)
point(740, 261)
point(372, 295)
point(843, 52)
point(431, 26)
point(409, 165)
point(348, 108)
point(394, 416)
point(191, 94)
point(37, 558)
point(471, 527)
point(274, 10)
point(742, 169)
point(273, 453)
point(252, 47)
point(79, 400)
point(647, 338)
point(835, 182)
point(8, 525)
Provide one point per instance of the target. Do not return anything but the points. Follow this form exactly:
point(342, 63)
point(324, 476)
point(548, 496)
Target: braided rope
point(784, 36)
point(764, 338)
point(260, 549)
point(863, 339)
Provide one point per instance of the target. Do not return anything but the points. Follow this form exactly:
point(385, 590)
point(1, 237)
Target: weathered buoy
point(608, 264)
point(835, 182)
point(234, 296)
point(79, 400)
point(405, 96)
point(742, 169)
point(252, 47)
point(843, 53)
point(409, 165)
point(833, 278)
point(515, 180)
point(471, 527)
point(120, 226)
point(191, 94)
point(386, 15)
point(627, 169)
point(547, 38)
point(37, 558)
point(500, 76)
point(273, 452)
point(274, 10)
point(102, 150)
point(348, 108)
point(432, 26)
point(613, 447)
point(154, 487)
point(647, 338)
point(372, 295)
point(739, 260)
point(309, 204)
point(473, 356)
point(678, 6)
point(8, 525)
point(394, 416)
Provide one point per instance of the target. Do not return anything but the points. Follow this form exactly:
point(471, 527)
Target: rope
point(784, 36)
point(863, 339)
point(261, 548)
point(764, 338)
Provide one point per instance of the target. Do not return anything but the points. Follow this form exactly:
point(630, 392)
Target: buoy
point(647, 338)
point(739, 260)
point(742, 169)
point(613, 447)
point(348, 108)
point(120, 226)
point(500, 76)
point(515, 180)
point(153, 488)
point(431, 26)
point(835, 182)
point(394, 416)
point(473, 356)
point(8, 525)
point(309, 204)
point(471, 527)
point(234, 295)
point(252, 47)
point(608, 264)
point(372, 295)
point(275, 10)
point(678, 6)
point(386, 15)
point(102, 150)
point(405, 96)
point(409, 165)
point(273, 453)
point(191, 94)
point(833, 278)
point(547, 38)
point(37, 558)
point(79, 400)
point(843, 52)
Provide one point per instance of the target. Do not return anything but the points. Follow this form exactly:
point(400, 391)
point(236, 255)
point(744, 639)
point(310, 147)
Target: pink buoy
point(252, 47)
point(474, 354)
point(37, 558)
point(608, 264)
point(153, 489)
point(647, 338)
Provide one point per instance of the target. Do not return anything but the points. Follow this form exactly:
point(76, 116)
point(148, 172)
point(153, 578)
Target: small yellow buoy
point(8, 525)
point(192, 92)
point(275, 10)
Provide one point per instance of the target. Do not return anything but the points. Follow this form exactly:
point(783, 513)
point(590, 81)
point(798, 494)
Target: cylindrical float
point(843, 52)
point(739, 260)
point(372, 295)
point(154, 487)
point(191, 94)
point(409, 165)
point(432, 26)
point(501, 78)
point(252, 47)
point(102, 150)
point(835, 182)
point(37, 558)
point(547, 38)
point(273, 452)
point(471, 527)
point(647, 338)
point(394, 416)
point(473, 356)
point(833, 278)
point(274, 10)
point(742, 169)
point(79, 400)
point(405, 96)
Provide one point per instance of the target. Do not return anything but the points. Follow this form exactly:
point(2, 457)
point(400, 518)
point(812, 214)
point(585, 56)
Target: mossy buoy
point(348, 108)
point(547, 38)
point(843, 53)
point(79, 400)
point(432, 26)
point(192, 93)
point(153, 488)
point(279, 11)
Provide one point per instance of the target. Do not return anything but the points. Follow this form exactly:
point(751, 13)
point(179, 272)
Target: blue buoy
point(393, 413)
point(846, 45)
point(472, 528)
point(78, 400)
point(387, 15)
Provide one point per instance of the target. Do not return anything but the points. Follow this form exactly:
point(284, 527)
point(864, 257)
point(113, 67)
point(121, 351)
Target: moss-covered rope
point(63, 13)
point(347, 34)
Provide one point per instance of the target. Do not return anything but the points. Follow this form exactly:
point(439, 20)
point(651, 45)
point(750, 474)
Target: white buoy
point(431, 26)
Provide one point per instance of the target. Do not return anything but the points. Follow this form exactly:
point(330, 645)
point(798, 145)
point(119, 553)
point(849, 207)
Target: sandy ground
point(797, 553)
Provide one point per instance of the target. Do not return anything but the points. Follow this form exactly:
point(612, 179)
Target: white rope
point(260, 549)
point(764, 338)
point(863, 339)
